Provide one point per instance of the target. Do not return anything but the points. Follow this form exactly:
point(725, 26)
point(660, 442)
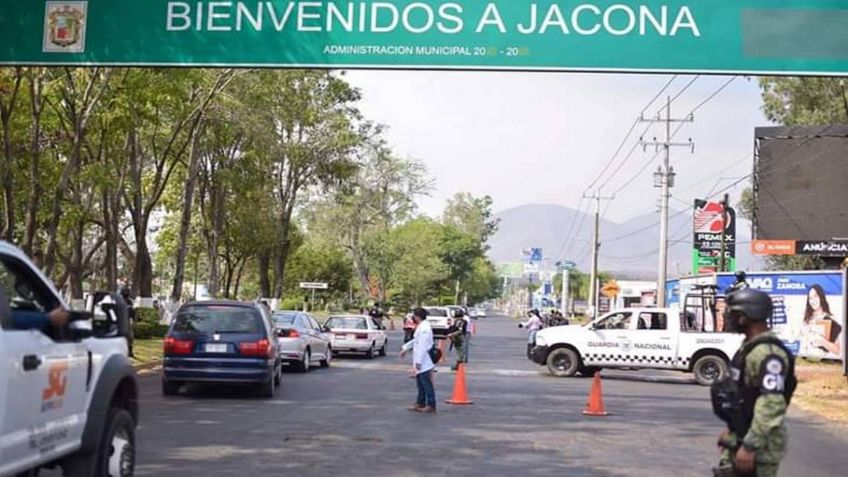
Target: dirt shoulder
point(822, 390)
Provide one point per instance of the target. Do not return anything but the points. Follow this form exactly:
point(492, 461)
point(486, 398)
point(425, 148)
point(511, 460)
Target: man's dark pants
point(426, 391)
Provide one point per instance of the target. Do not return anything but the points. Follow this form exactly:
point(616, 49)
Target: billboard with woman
point(809, 309)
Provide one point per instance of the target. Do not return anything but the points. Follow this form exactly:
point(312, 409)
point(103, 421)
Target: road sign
point(610, 289)
point(566, 265)
point(314, 285)
point(719, 36)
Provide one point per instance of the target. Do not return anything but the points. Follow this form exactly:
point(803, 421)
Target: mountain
point(630, 248)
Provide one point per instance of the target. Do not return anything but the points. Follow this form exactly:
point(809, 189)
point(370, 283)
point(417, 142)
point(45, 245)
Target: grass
point(822, 389)
point(147, 351)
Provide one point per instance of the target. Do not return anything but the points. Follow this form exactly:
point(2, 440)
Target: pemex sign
point(719, 36)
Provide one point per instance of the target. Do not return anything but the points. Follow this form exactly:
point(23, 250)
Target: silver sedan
point(301, 341)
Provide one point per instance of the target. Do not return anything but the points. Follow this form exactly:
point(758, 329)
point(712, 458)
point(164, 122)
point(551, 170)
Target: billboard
point(511, 269)
point(686, 36)
point(799, 183)
point(809, 309)
point(707, 237)
point(532, 255)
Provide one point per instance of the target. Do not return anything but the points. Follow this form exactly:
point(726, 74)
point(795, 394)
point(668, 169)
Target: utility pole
point(596, 246)
point(722, 261)
point(664, 179)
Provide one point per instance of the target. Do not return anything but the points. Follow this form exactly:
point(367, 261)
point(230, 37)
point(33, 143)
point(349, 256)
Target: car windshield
point(217, 319)
point(437, 312)
point(285, 319)
point(347, 322)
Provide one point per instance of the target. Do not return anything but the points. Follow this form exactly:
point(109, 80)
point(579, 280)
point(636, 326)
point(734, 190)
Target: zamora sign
point(722, 36)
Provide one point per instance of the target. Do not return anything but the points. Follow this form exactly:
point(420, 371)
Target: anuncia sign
point(738, 36)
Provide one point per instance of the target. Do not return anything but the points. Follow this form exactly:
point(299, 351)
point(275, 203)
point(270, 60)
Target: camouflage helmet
point(753, 304)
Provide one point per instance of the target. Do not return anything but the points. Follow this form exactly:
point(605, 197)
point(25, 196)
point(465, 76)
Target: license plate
point(341, 337)
point(216, 348)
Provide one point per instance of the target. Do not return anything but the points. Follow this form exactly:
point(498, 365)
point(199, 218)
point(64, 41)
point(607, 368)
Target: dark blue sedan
point(221, 342)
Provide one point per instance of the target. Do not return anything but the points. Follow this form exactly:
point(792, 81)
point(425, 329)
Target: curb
point(146, 366)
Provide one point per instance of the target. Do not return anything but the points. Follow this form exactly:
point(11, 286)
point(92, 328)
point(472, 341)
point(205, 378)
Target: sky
point(527, 138)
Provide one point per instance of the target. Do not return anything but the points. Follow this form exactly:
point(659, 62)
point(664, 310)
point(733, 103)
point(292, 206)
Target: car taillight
point(256, 348)
point(362, 336)
point(289, 334)
point(175, 346)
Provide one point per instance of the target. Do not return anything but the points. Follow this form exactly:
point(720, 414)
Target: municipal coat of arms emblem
point(64, 27)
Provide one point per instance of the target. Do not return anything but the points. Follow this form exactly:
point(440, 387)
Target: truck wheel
point(588, 371)
point(115, 455)
point(563, 362)
point(709, 369)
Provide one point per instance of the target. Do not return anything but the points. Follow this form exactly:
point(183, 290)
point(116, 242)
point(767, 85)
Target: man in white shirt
point(422, 363)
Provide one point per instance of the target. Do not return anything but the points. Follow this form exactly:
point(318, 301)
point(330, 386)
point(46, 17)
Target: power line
point(657, 96)
point(683, 90)
point(570, 239)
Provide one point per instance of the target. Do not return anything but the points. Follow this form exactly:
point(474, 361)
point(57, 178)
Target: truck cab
point(636, 338)
point(68, 395)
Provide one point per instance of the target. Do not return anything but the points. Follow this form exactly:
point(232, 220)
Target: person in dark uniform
point(124, 291)
point(754, 398)
point(377, 314)
point(458, 335)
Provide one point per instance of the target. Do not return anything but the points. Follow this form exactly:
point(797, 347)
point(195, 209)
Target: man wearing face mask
point(753, 399)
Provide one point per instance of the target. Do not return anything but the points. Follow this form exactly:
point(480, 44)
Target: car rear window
point(285, 319)
point(351, 323)
point(437, 312)
point(218, 319)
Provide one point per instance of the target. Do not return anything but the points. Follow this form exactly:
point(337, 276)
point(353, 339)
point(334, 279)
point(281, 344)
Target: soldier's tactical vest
point(733, 398)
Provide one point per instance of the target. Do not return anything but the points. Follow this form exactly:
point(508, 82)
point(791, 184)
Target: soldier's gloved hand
point(744, 460)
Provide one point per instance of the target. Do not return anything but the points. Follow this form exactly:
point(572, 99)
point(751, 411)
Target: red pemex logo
point(708, 218)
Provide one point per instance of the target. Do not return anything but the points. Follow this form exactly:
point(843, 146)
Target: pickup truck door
point(42, 380)
point(609, 340)
point(653, 344)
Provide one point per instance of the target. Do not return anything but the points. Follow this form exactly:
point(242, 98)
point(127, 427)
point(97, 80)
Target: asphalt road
point(352, 420)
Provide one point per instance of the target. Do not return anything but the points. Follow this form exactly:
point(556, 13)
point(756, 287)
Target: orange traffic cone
point(595, 406)
point(473, 328)
point(460, 393)
point(391, 324)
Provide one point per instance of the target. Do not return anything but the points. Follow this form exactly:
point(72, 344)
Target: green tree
point(316, 262)
point(419, 268)
point(308, 135)
point(361, 214)
point(471, 215)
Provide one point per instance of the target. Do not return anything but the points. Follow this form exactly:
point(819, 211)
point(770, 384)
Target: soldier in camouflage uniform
point(762, 378)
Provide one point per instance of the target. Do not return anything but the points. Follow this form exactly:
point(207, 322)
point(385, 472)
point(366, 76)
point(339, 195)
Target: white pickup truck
point(69, 395)
point(637, 338)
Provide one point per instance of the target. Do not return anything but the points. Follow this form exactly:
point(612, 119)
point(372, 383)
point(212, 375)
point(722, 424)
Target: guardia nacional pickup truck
point(638, 338)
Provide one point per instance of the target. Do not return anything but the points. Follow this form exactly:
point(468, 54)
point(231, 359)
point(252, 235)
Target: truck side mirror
point(111, 315)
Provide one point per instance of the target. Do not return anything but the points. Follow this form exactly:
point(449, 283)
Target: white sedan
point(356, 334)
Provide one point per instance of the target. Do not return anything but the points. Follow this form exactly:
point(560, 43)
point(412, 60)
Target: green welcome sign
point(738, 36)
